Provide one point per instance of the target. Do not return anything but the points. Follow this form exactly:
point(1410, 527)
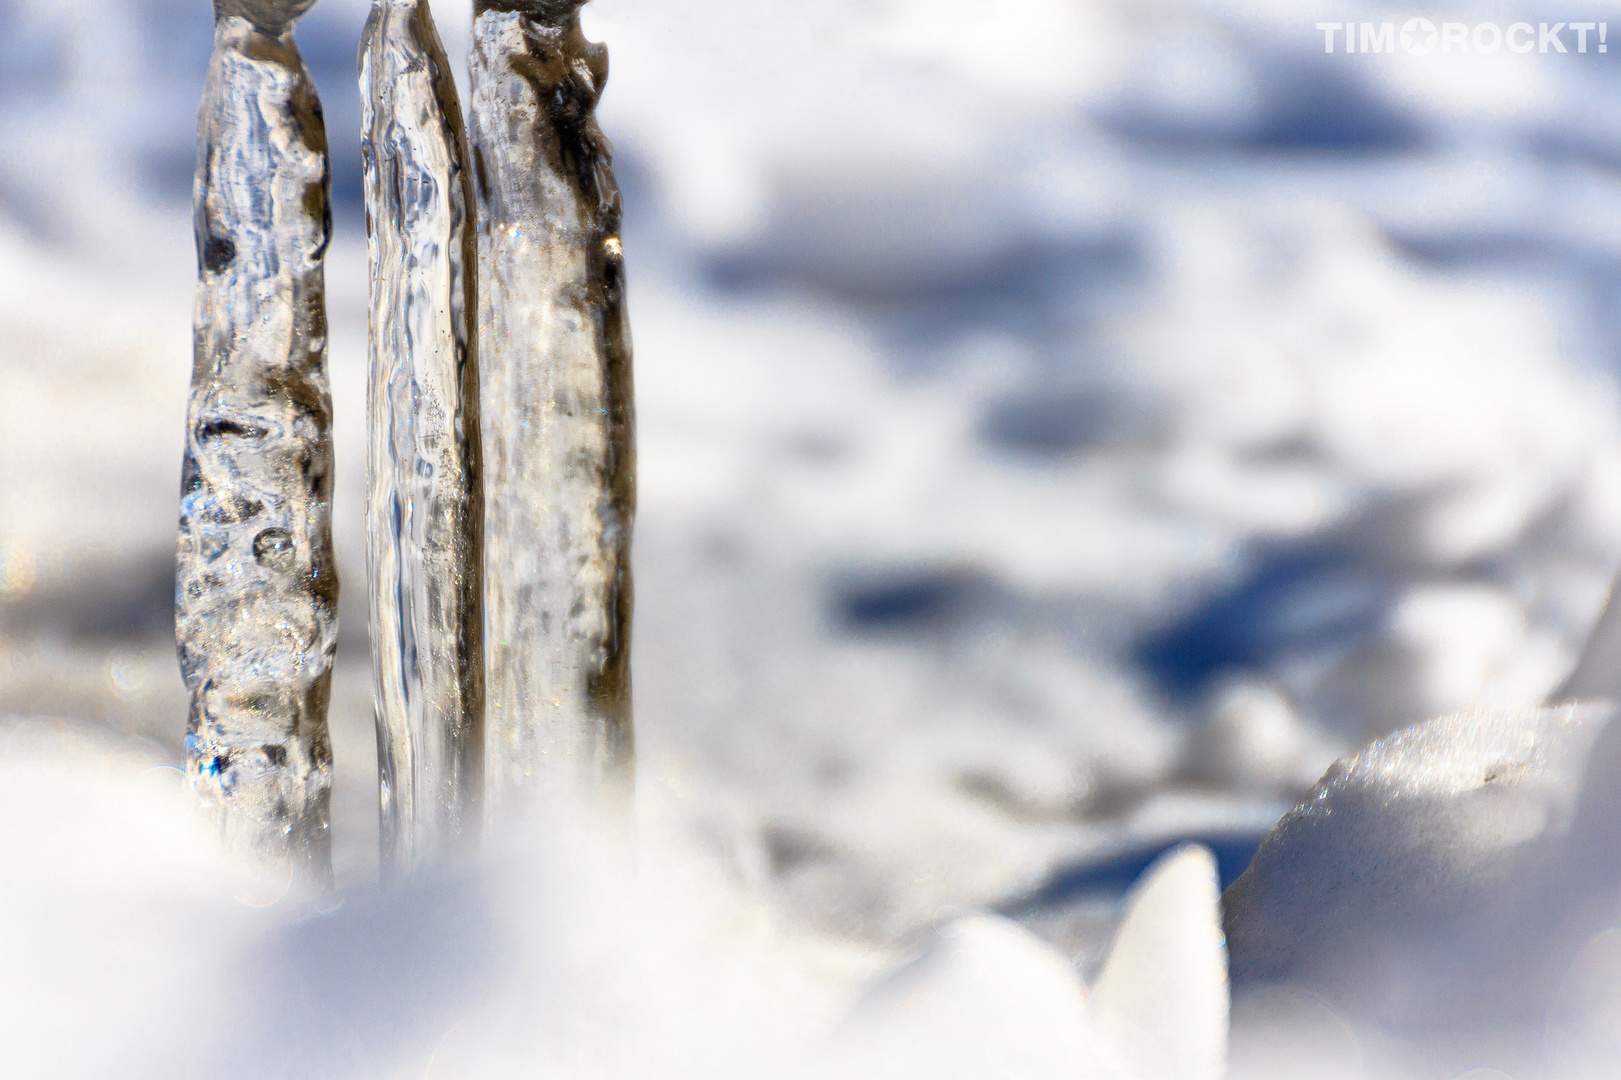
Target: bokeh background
point(1065, 425)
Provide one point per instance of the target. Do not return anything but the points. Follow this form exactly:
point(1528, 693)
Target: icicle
point(424, 510)
point(555, 380)
point(256, 590)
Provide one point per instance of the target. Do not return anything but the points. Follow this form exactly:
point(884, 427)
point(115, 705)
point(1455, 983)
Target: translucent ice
point(256, 590)
point(424, 511)
point(558, 424)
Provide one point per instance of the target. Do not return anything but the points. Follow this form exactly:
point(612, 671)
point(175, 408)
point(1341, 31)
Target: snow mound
point(986, 998)
point(134, 946)
point(1162, 997)
point(1425, 904)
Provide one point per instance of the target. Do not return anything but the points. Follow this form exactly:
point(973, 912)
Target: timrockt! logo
point(1419, 36)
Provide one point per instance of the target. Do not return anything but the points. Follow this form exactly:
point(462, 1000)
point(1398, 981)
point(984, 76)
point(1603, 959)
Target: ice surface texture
point(558, 424)
point(424, 510)
point(256, 589)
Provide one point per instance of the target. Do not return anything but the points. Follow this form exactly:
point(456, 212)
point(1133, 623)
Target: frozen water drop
point(274, 548)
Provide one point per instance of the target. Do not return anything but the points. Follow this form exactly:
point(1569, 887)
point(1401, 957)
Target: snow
point(1162, 997)
point(1435, 890)
point(139, 948)
point(1065, 429)
point(985, 997)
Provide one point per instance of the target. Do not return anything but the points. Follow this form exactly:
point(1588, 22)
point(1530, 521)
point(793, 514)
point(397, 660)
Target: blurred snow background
point(1065, 425)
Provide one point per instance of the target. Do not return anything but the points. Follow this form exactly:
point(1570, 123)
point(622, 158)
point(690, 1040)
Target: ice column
point(424, 510)
point(558, 419)
point(255, 591)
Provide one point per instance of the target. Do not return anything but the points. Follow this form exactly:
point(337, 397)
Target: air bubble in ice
point(274, 548)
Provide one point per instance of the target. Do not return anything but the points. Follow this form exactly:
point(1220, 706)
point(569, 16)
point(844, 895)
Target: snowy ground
point(1065, 426)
